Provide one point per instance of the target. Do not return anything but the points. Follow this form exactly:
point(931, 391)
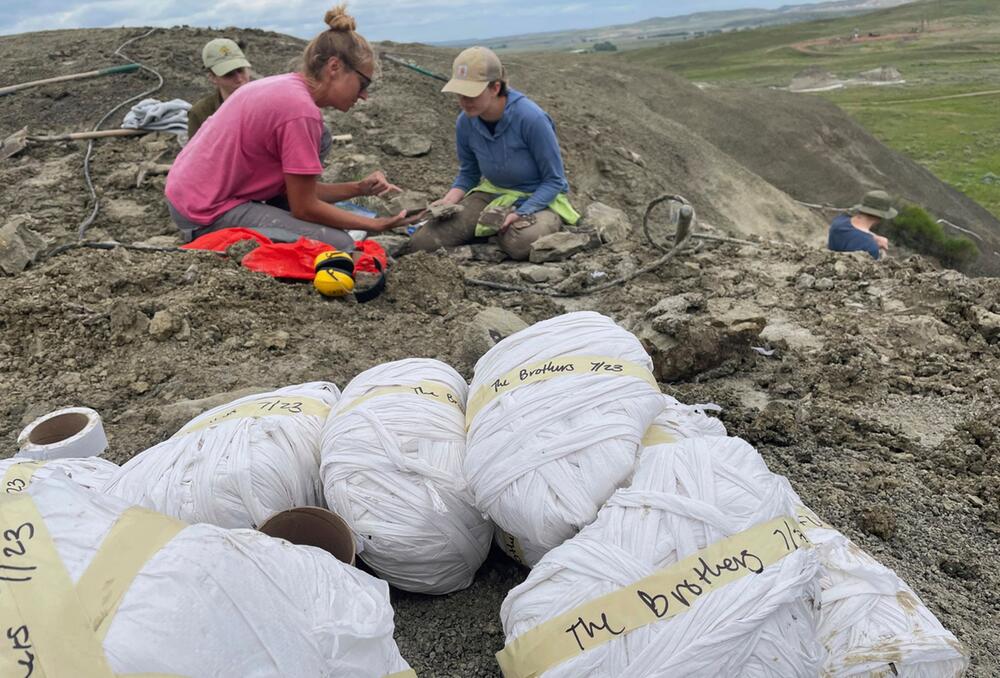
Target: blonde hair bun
point(339, 20)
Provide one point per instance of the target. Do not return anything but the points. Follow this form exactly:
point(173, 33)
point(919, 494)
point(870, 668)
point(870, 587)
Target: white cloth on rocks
point(242, 470)
point(678, 420)
point(89, 472)
point(213, 602)
point(542, 458)
point(683, 498)
point(392, 459)
point(158, 116)
point(870, 621)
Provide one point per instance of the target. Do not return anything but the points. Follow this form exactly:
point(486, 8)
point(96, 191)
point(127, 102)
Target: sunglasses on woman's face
point(365, 81)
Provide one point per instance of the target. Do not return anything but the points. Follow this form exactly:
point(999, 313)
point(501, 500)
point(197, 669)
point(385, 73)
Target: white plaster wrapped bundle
point(556, 415)
point(392, 457)
point(684, 497)
point(199, 601)
point(678, 420)
point(870, 621)
point(92, 473)
point(238, 464)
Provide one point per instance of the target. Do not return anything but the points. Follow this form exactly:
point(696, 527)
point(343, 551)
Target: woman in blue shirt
point(511, 180)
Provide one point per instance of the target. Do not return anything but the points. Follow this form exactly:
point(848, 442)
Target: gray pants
point(277, 224)
point(461, 229)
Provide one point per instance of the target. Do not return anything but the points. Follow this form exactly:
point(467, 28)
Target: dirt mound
point(874, 390)
point(882, 74)
point(815, 79)
point(812, 79)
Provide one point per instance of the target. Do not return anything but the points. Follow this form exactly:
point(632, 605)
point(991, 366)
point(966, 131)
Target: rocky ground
point(872, 386)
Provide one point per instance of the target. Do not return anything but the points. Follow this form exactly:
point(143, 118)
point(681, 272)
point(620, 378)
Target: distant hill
point(659, 30)
point(935, 39)
point(943, 116)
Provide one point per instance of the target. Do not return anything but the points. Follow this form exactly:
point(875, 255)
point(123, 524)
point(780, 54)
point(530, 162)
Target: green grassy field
point(943, 48)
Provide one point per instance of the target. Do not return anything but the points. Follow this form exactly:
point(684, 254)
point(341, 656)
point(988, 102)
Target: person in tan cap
point(511, 182)
point(851, 231)
point(261, 148)
point(228, 70)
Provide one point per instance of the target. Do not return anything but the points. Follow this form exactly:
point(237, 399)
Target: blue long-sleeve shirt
point(522, 153)
point(843, 237)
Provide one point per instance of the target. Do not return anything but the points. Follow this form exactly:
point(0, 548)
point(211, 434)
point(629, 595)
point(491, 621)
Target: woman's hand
point(452, 197)
point(509, 221)
point(388, 223)
point(376, 184)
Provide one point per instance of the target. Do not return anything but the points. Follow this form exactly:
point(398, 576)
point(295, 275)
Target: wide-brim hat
point(473, 70)
point(877, 204)
point(222, 56)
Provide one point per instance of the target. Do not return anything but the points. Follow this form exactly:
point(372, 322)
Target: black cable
point(85, 224)
point(81, 244)
point(507, 287)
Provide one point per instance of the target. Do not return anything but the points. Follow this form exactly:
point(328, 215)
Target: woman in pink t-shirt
point(258, 166)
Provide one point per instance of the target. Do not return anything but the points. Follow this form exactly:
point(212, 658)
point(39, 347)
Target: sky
point(399, 20)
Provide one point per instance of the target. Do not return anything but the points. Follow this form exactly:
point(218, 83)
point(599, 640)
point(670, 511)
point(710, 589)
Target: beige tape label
point(551, 369)
point(408, 673)
point(511, 545)
point(809, 520)
point(45, 631)
point(134, 538)
point(275, 406)
point(657, 435)
point(662, 595)
point(18, 477)
point(425, 389)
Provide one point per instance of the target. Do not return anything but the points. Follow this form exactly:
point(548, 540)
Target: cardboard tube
point(313, 526)
point(69, 432)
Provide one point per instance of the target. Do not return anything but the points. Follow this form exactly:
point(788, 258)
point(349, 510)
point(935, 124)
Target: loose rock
point(408, 145)
point(684, 344)
point(276, 340)
point(408, 200)
point(541, 274)
point(559, 246)
point(392, 243)
point(127, 322)
point(487, 252)
point(486, 329)
point(19, 245)
point(880, 522)
point(163, 325)
point(987, 322)
point(610, 224)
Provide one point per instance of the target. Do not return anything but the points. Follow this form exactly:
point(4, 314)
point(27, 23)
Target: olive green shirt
point(203, 108)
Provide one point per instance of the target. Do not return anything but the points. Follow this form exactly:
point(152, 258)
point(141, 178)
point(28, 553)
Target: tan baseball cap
point(222, 56)
point(473, 70)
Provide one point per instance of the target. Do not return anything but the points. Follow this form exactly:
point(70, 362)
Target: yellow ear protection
point(335, 276)
point(334, 273)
